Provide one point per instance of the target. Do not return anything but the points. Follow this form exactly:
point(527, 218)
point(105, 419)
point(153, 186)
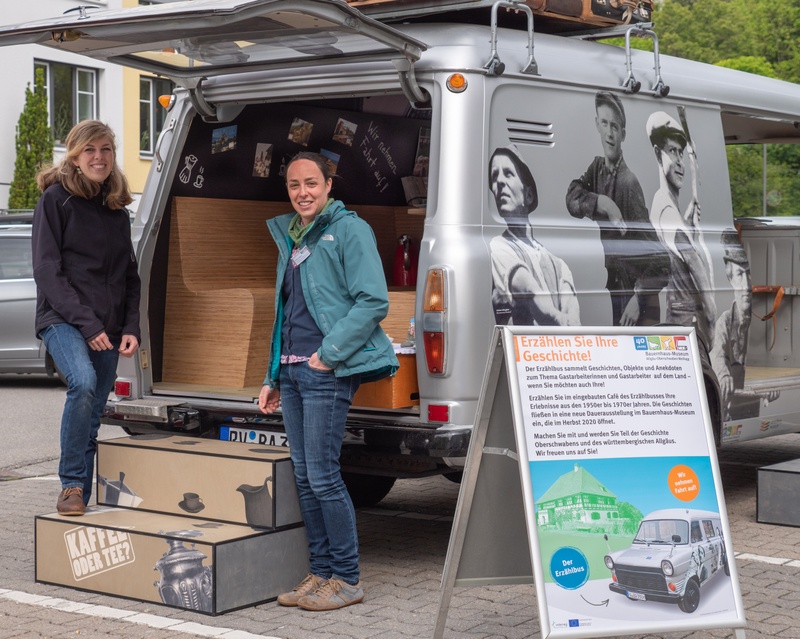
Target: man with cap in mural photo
point(530, 285)
point(730, 336)
point(690, 292)
point(610, 194)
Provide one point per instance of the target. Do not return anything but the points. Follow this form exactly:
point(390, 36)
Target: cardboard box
point(775, 483)
point(248, 484)
point(399, 391)
point(204, 566)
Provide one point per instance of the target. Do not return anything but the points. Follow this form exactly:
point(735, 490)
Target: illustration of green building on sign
point(578, 502)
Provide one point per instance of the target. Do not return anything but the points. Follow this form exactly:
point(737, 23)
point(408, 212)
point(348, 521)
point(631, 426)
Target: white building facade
point(79, 88)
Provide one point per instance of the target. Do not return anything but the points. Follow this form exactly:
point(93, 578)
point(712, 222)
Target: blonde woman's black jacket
point(84, 266)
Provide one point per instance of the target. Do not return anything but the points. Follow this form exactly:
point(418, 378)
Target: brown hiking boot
point(70, 502)
point(332, 595)
point(305, 587)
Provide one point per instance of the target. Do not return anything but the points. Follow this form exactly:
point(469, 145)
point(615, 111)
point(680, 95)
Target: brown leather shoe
point(70, 502)
point(332, 595)
point(306, 587)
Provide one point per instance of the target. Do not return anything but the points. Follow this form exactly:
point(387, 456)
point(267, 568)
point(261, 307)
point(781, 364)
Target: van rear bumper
point(391, 443)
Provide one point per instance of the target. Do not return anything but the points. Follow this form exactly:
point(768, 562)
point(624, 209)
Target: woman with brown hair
point(330, 298)
point(87, 306)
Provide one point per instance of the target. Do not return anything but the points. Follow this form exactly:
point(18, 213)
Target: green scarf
point(296, 229)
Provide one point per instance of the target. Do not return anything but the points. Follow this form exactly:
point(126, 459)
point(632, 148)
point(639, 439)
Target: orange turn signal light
point(457, 83)
point(166, 101)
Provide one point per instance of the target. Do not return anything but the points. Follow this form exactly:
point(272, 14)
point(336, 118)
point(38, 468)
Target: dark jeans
point(90, 378)
point(315, 405)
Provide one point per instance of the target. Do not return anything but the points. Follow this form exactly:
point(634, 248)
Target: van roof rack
point(603, 33)
point(551, 15)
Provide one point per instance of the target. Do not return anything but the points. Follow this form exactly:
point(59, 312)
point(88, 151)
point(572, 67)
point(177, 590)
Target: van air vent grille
point(525, 132)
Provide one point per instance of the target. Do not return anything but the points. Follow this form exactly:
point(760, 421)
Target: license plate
point(247, 436)
point(638, 596)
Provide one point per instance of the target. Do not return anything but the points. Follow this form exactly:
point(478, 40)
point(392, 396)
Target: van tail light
point(438, 413)
point(434, 351)
point(434, 307)
point(122, 388)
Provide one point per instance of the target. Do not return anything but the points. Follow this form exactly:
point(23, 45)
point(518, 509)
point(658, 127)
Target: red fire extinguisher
point(405, 262)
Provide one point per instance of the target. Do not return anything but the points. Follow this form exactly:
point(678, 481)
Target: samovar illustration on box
point(185, 582)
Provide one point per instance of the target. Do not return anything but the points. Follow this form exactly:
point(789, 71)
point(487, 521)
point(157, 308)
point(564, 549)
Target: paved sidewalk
point(403, 542)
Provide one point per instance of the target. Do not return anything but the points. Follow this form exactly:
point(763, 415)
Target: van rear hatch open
point(193, 40)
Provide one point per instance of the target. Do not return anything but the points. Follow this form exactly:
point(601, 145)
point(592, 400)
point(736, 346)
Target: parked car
point(674, 552)
point(20, 350)
point(18, 216)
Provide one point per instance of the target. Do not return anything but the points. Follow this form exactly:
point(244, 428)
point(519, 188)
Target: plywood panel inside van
point(220, 289)
point(220, 292)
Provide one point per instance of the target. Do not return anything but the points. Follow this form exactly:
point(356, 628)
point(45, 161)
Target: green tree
point(756, 36)
point(716, 31)
point(34, 146)
point(751, 64)
point(630, 515)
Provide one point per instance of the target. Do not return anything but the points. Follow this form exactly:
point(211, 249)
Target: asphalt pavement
point(404, 542)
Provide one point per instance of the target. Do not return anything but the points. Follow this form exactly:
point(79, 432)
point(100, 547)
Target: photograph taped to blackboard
point(262, 160)
point(300, 131)
point(345, 132)
point(332, 159)
point(223, 139)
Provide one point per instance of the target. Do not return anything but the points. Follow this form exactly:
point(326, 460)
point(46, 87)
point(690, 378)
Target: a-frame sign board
point(592, 473)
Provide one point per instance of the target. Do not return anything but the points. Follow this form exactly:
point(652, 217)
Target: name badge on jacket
point(300, 255)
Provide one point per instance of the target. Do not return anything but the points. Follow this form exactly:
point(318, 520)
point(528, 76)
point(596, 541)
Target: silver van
point(510, 176)
point(674, 552)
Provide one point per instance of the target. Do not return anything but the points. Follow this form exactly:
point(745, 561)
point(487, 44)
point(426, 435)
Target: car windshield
point(662, 531)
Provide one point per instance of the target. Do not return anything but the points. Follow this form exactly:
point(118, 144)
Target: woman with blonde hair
point(87, 306)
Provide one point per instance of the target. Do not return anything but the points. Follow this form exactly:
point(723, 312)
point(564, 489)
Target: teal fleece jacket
point(345, 290)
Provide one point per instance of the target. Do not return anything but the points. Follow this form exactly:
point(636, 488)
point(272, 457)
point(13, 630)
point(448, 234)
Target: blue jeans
point(90, 377)
point(315, 405)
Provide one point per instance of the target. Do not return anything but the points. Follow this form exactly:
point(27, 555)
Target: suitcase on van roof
point(597, 13)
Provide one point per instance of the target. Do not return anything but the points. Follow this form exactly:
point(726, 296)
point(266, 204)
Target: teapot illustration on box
point(258, 504)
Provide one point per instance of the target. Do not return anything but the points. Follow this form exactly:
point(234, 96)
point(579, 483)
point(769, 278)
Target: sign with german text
point(624, 502)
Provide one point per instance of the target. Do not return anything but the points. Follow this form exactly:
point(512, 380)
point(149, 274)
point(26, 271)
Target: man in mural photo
point(730, 336)
point(610, 194)
point(530, 285)
point(690, 294)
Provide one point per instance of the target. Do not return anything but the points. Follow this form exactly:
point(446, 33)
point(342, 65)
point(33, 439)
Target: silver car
point(20, 350)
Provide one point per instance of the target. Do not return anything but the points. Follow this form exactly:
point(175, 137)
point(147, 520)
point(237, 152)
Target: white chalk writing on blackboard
point(373, 149)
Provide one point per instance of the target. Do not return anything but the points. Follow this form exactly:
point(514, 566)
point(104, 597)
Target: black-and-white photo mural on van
point(609, 194)
point(530, 285)
point(729, 355)
point(690, 290)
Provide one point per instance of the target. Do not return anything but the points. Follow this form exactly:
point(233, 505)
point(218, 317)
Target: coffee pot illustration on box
point(258, 504)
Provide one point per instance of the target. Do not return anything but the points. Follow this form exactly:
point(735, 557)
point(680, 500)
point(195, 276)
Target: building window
point(71, 96)
point(152, 115)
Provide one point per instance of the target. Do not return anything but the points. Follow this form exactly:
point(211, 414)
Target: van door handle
point(157, 152)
